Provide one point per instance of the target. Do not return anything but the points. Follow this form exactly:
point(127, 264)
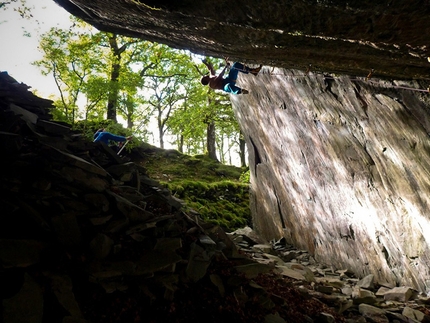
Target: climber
point(104, 136)
point(227, 84)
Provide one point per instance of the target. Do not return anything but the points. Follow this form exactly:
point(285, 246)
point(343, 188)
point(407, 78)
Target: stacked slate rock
point(358, 300)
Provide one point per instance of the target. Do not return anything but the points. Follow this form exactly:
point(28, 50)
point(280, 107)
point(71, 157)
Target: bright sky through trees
point(19, 40)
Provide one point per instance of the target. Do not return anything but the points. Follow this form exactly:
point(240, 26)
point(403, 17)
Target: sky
point(18, 51)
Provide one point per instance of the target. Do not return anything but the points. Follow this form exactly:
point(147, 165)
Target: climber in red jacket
point(227, 84)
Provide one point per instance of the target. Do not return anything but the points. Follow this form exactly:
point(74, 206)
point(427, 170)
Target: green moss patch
point(219, 193)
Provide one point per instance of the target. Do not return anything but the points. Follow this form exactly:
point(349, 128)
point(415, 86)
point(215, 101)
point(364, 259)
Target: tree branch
point(162, 76)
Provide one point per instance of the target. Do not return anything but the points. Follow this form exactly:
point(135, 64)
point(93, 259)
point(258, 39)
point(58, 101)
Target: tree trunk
point(114, 76)
point(210, 140)
point(181, 144)
point(160, 129)
point(129, 122)
point(242, 149)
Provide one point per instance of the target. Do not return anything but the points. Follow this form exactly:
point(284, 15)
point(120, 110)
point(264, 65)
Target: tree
point(186, 122)
point(18, 6)
point(118, 45)
point(220, 113)
point(205, 121)
point(210, 129)
point(242, 150)
point(166, 83)
point(102, 75)
point(77, 67)
point(90, 67)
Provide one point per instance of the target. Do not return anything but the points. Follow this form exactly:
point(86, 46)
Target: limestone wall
point(340, 167)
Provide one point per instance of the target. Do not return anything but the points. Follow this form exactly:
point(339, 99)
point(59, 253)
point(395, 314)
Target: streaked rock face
point(339, 167)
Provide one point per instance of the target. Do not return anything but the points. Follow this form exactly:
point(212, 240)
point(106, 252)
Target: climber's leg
point(232, 74)
point(232, 88)
point(234, 71)
point(239, 67)
point(255, 71)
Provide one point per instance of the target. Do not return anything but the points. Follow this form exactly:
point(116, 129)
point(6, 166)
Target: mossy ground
point(217, 192)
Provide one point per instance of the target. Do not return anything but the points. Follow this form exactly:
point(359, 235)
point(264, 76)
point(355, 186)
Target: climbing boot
point(244, 91)
point(255, 71)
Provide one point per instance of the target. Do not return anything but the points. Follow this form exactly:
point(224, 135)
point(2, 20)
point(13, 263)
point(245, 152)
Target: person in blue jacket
point(104, 136)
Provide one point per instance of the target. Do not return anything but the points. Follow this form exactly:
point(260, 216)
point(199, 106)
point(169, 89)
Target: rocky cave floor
point(202, 302)
point(289, 287)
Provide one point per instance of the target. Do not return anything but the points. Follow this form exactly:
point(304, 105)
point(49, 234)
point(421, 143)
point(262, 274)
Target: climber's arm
point(209, 66)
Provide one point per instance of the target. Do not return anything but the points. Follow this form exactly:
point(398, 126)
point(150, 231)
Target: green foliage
point(18, 6)
point(214, 190)
point(225, 203)
point(245, 176)
point(169, 84)
point(189, 122)
point(101, 75)
point(90, 68)
point(77, 66)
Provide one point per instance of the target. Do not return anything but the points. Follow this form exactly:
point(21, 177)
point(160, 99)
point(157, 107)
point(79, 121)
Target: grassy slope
point(214, 190)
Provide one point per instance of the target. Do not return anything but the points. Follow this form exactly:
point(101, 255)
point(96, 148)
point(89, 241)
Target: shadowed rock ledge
point(352, 37)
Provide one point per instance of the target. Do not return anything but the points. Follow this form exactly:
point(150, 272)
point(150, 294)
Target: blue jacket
point(105, 136)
